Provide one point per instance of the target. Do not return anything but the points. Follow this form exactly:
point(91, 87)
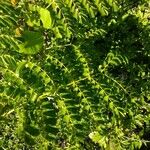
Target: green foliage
point(74, 74)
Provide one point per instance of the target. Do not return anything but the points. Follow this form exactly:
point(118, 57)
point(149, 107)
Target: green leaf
point(111, 105)
point(45, 18)
point(57, 32)
point(33, 42)
point(102, 92)
point(91, 12)
point(110, 2)
point(115, 7)
point(106, 98)
point(95, 136)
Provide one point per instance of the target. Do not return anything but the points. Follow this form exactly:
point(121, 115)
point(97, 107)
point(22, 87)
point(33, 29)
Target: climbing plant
point(74, 74)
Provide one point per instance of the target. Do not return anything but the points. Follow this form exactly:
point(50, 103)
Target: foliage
point(74, 74)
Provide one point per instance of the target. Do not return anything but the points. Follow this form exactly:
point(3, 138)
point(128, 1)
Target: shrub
point(74, 74)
